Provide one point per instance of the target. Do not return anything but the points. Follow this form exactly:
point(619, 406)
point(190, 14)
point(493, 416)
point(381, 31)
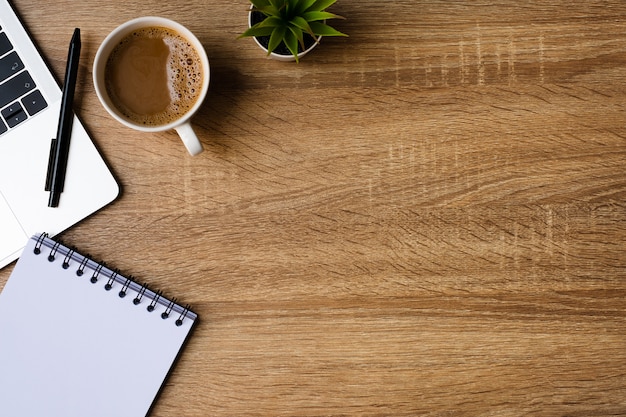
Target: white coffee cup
point(182, 125)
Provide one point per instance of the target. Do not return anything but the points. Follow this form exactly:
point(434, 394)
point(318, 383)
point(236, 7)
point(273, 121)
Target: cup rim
point(111, 41)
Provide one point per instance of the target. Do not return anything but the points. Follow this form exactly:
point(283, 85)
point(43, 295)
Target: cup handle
point(189, 138)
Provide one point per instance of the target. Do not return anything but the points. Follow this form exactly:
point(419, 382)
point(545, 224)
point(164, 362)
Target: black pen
point(60, 147)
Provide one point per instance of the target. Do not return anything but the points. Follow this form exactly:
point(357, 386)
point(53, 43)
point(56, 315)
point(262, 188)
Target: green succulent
point(287, 21)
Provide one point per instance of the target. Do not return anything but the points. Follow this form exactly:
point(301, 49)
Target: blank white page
point(70, 347)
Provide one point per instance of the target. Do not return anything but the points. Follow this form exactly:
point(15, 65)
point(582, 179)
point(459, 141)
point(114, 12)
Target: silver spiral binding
point(113, 278)
point(168, 309)
point(66, 261)
point(53, 252)
point(125, 286)
point(140, 294)
point(39, 243)
point(154, 301)
point(96, 273)
point(81, 268)
point(183, 315)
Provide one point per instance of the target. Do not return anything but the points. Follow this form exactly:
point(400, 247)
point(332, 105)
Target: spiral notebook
point(80, 339)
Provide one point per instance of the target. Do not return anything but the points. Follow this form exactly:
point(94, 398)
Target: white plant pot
point(281, 57)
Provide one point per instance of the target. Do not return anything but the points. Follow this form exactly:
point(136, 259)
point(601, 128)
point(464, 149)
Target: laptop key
point(14, 114)
point(5, 44)
point(3, 128)
point(10, 65)
point(34, 102)
point(15, 87)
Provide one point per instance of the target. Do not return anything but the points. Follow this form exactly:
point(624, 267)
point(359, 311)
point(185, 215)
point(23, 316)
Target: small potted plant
point(289, 29)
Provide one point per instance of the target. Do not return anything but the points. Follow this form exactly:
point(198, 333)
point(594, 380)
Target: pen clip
point(53, 149)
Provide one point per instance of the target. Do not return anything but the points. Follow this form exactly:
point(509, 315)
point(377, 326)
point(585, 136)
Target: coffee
point(154, 76)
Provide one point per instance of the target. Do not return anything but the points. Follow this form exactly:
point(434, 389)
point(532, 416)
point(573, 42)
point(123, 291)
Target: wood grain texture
point(425, 218)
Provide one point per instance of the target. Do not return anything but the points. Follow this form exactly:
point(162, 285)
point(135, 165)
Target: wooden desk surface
point(425, 218)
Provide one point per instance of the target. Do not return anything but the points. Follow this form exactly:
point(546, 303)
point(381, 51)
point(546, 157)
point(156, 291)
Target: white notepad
point(78, 339)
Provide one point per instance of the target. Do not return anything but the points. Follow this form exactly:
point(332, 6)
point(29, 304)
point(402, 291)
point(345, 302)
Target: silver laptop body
point(29, 113)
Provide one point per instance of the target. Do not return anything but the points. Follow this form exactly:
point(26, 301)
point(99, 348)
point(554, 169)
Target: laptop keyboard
point(19, 96)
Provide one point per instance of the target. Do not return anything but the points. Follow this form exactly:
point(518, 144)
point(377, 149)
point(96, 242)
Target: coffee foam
point(183, 77)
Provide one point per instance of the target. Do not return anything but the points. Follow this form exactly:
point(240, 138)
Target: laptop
point(30, 99)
